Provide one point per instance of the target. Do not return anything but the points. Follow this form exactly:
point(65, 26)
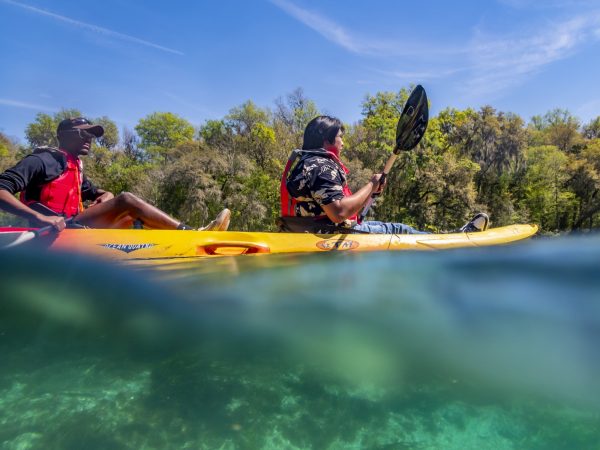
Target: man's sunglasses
point(85, 135)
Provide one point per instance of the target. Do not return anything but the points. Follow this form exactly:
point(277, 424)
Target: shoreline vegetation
point(545, 171)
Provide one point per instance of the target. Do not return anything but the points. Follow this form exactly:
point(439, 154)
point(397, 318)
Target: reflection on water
point(489, 348)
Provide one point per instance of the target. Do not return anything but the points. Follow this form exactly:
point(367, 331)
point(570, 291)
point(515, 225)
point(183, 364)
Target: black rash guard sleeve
point(32, 170)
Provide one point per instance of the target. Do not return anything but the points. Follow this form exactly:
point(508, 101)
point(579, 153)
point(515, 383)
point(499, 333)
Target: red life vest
point(63, 194)
point(288, 203)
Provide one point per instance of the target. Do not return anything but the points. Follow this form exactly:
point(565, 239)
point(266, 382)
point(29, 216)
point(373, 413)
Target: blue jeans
point(376, 227)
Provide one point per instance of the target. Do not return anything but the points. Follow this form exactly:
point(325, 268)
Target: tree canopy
point(546, 170)
point(161, 131)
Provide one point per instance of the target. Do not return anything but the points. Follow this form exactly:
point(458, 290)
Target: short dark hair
point(321, 129)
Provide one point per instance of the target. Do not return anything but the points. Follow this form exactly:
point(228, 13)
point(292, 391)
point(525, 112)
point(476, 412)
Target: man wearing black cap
point(53, 188)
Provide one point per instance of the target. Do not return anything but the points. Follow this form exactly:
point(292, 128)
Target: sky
point(126, 59)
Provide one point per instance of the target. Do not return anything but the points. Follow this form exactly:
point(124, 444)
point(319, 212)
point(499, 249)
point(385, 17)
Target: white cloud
point(545, 4)
point(589, 110)
point(20, 104)
point(431, 74)
point(94, 28)
point(499, 63)
point(361, 45)
point(486, 65)
point(327, 28)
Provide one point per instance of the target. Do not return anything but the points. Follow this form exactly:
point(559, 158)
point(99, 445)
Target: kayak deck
point(161, 244)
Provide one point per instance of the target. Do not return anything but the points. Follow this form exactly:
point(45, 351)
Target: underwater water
point(492, 348)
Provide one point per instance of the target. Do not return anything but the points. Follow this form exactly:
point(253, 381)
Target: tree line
point(545, 171)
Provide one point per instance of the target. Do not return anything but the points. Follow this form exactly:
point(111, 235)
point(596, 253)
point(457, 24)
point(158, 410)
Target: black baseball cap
point(79, 123)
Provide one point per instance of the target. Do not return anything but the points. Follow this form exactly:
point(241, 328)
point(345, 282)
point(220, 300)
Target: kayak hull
point(169, 244)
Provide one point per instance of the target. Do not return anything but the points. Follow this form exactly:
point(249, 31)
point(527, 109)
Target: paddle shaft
point(30, 235)
point(384, 173)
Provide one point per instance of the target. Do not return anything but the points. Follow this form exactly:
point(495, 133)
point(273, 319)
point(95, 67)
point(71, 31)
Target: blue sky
point(126, 59)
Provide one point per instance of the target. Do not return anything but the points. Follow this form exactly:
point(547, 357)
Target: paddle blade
point(413, 121)
point(24, 237)
point(29, 235)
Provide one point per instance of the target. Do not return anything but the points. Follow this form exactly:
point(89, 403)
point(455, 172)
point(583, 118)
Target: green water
point(492, 348)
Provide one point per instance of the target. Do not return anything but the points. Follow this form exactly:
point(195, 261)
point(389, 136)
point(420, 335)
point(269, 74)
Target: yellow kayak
point(161, 244)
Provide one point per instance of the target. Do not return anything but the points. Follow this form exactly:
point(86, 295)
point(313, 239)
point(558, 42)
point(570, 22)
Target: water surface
point(485, 348)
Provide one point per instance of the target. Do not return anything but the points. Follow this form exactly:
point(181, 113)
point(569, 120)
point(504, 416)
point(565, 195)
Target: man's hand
point(104, 197)
point(57, 222)
point(377, 185)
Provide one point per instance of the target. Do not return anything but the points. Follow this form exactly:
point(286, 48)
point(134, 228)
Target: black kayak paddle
point(409, 132)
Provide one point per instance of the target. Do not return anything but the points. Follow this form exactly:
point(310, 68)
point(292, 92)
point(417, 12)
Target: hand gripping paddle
point(29, 235)
point(409, 131)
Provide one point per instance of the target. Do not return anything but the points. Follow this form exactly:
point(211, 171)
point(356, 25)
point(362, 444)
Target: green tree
point(557, 127)
point(251, 133)
point(547, 171)
point(116, 171)
point(191, 186)
point(584, 181)
point(495, 141)
point(131, 146)
point(295, 111)
point(562, 128)
point(215, 133)
point(161, 131)
point(258, 203)
point(242, 119)
point(42, 131)
point(110, 138)
point(9, 152)
point(546, 199)
point(372, 140)
point(592, 129)
point(292, 114)
point(262, 146)
point(443, 194)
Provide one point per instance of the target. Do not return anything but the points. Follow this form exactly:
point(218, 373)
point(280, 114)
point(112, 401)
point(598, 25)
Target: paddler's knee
point(128, 199)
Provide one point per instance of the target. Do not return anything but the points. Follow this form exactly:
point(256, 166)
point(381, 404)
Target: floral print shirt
point(317, 180)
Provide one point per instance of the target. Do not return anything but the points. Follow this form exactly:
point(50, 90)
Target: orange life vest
point(63, 194)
